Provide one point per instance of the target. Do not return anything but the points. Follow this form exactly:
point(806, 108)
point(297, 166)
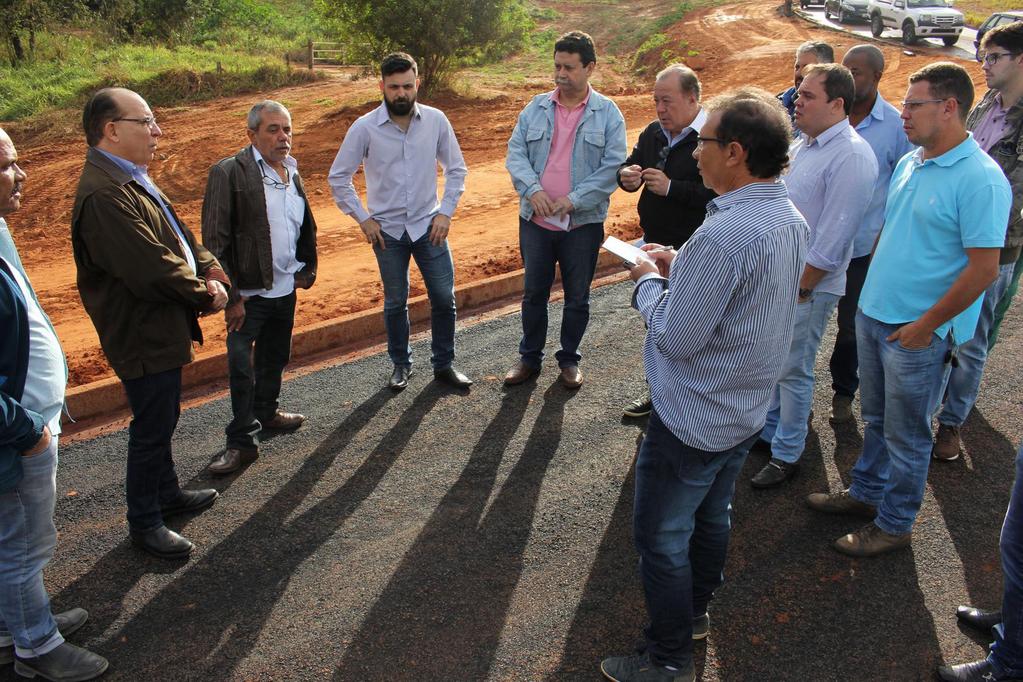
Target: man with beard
point(399, 145)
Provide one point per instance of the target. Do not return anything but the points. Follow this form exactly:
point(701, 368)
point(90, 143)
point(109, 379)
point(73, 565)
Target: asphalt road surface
point(964, 49)
point(485, 535)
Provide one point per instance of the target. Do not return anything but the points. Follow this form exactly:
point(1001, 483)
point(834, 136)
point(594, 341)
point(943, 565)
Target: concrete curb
point(346, 333)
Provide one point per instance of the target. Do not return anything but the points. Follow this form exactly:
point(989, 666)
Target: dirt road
point(734, 44)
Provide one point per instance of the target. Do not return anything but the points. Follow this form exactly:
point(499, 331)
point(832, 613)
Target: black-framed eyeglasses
point(148, 121)
point(991, 58)
point(276, 184)
point(662, 157)
point(701, 140)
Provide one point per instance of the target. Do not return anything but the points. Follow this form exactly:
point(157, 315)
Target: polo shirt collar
point(555, 97)
point(957, 153)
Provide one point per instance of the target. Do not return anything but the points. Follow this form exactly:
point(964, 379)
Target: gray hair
point(687, 79)
point(825, 53)
point(256, 112)
point(874, 56)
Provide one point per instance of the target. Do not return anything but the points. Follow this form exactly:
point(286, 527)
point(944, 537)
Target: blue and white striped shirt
point(720, 326)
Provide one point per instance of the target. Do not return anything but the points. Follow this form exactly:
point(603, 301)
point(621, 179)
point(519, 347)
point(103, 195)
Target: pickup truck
point(916, 19)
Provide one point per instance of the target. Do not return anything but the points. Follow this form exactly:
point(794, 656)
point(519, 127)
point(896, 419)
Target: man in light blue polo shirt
point(877, 122)
point(948, 204)
point(832, 171)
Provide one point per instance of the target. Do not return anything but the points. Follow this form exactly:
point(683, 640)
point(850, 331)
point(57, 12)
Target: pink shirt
point(556, 180)
point(992, 127)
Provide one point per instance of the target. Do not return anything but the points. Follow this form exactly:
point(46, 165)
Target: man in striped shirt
point(720, 318)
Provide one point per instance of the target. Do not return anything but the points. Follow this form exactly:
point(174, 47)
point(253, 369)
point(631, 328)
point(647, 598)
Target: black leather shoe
point(190, 501)
point(978, 618)
point(68, 622)
point(399, 378)
point(978, 671)
point(66, 663)
point(774, 473)
point(162, 542)
point(452, 377)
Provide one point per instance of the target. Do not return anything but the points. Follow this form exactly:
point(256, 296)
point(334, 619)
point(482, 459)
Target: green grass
point(976, 11)
point(165, 76)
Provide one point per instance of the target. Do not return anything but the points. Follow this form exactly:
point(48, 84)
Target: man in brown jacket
point(257, 222)
point(144, 281)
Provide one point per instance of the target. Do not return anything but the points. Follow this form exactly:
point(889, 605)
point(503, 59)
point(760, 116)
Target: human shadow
point(217, 609)
point(441, 615)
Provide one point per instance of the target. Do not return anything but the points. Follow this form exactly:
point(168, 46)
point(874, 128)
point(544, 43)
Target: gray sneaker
point(639, 668)
point(66, 663)
point(67, 622)
point(640, 407)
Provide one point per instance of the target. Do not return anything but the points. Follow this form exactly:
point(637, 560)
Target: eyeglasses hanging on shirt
point(662, 157)
point(276, 184)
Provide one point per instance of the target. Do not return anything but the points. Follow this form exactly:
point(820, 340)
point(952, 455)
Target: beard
point(400, 106)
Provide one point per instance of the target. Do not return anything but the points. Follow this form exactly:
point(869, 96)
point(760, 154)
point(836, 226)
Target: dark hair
point(825, 53)
point(1007, 36)
point(947, 80)
point(874, 56)
point(687, 80)
point(398, 62)
point(838, 82)
point(757, 121)
point(579, 43)
point(99, 110)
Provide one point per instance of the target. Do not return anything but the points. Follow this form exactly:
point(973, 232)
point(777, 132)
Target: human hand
point(439, 229)
point(219, 294)
point(641, 268)
point(656, 181)
point(374, 235)
point(912, 336)
point(631, 177)
point(41, 444)
point(304, 279)
point(662, 256)
point(234, 315)
point(562, 206)
point(542, 204)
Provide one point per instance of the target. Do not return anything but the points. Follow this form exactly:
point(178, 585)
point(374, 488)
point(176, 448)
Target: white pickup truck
point(916, 19)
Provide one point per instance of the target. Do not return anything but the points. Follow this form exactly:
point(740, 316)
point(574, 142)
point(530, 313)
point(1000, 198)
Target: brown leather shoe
point(871, 541)
point(232, 459)
point(283, 421)
point(571, 377)
point(840, 503)
point(520, 373)
point(946, 443)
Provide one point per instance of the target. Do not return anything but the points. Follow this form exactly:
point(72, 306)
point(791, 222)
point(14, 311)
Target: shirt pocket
point(535, 143)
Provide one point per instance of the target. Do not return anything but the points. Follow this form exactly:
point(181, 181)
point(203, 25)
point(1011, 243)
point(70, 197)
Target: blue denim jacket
point(598, 151)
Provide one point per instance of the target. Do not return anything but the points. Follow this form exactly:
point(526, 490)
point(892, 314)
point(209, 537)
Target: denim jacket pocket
point(594, 147)
point(535, 138)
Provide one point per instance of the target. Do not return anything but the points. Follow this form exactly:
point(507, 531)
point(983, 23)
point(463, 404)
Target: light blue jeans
point(899, 394)
point(27, 539)
point(792, 398)
point(964, 380)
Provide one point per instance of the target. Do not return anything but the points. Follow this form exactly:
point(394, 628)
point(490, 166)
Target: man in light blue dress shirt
point(399, 145)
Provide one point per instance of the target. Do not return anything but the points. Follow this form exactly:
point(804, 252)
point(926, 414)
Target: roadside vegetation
point(976, 11)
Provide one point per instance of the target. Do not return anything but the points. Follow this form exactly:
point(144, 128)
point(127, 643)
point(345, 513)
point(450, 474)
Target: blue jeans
point(793, 395)
point(681, 523)
point(575, 252)
point(27, 539)
point(899, 394)
point(964, 380)
point(1007, 650)
point(438, 272)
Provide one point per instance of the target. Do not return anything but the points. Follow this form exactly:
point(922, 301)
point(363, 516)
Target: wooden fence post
point(310, 55)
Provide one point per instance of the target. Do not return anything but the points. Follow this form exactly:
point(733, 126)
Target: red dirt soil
point(737, 44)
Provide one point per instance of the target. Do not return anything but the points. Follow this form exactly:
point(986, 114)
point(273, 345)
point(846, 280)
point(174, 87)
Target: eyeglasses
point(148, 121)
point(992, 57)
point(276, 184)
point(662, 157)
point(914, 104)
point(701, 140)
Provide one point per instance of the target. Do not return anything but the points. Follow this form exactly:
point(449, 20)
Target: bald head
point(120, 122)
point(11, 176)
point(866, 63)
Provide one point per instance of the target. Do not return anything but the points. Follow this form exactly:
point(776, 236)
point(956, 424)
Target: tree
point(24, 18)
point(438, 33)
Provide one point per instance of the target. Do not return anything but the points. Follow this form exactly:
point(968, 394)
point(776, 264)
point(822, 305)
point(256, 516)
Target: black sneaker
point(639, 668)
point(640, 407)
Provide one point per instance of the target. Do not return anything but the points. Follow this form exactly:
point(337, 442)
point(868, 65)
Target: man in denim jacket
point(563, 156)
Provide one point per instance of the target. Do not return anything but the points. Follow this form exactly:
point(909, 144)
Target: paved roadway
point(432, 535)
point(964, 49)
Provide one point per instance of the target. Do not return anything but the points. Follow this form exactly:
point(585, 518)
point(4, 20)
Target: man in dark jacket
point(33, 376)
point(257, 222)
point(674, 199)
point(144, 281)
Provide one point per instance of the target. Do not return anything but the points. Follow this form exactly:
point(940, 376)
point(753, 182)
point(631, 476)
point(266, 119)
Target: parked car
point(806, 3)
point(995, 20)
point(845, 11)
point(916, 19)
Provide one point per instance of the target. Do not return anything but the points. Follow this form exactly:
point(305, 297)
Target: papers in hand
point(627, 252)
point(559, 221)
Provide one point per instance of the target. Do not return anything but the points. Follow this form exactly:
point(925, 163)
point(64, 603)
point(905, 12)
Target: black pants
point(845, 366)
point(155, 401)
point(255, 373)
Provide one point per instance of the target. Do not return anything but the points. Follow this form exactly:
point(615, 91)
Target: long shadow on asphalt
point(216, 610)
point(452, 591)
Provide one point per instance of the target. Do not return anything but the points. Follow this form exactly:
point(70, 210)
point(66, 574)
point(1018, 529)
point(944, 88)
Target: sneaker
point(701, 626)
point(640, 407)
point(639, 668)
point(840, 503)
point(946, 443)
point(841, 409)
point(871, 541)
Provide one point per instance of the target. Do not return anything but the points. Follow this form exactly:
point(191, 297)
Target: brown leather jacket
point(142, 297)
point(236, 230)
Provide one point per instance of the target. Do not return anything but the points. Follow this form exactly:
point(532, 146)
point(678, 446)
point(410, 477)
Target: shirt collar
point(696, 125)
point(289, 160)
point(829, 134)
point(949, 158)
point(124, 164)
point(382, 116)
point(754, 190)
point(555, 97)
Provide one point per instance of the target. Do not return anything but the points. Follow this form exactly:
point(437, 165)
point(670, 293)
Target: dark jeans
point(256, 372)
point(575, 252)
point(155, 401)
point(845, 365)
point(1007, 650)
point(438, 272)
point(681, 523)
